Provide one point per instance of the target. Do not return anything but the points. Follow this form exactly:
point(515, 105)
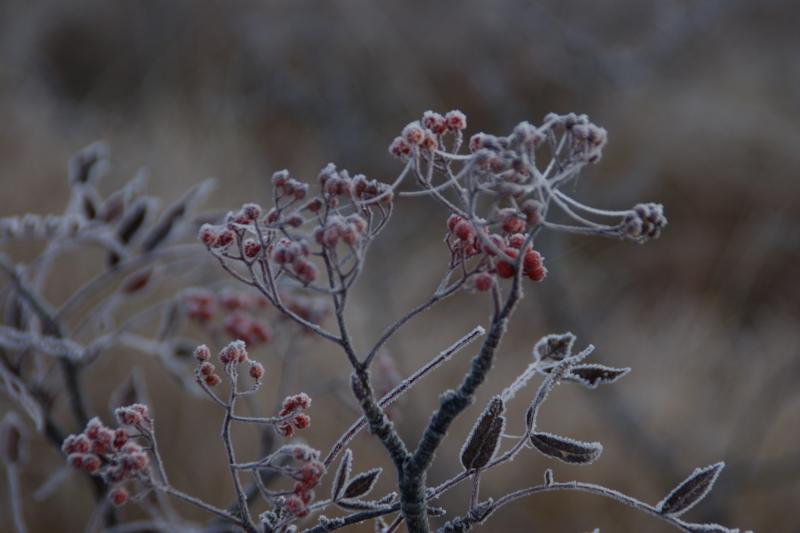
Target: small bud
point(251, 248)
point(464, 231)
point(212, 380)
point(120, 438)
point(434, 122)
point(505, 269)
point(256, 370)
point(400, 148)
point(206, 369)
point(414, 134)
point(224, 238)
point(484, 281)
point(301, 421)
point(280, 178)
point(118, 496)
point(207, 234)
point(202, 353)
point(456, 120)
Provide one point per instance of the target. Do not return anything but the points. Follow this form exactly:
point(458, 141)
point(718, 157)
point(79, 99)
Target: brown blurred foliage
point(702, 103)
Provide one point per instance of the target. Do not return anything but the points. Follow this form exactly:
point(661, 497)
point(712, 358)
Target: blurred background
point(702, 103)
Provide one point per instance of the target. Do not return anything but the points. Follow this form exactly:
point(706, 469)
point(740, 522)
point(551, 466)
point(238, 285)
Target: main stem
point(413, 475)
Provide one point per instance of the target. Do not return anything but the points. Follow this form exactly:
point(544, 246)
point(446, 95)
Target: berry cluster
point(307, 476)
point(341, 220)
point(497, 251)
point(427, 135)
point(238, 313)
point(110, 453)
point(644, 222)
point(231, 357)
point(292, 412)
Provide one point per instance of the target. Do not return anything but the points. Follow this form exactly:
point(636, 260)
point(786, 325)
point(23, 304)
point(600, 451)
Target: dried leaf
point(88, 206)
point(342, 474)
point(482, 442)
point(361, 505)
point(88, 165)
point(12, 439)
point(16, 390)
point(132, 221)
point(592, 375)
point(708, 528)
point(170, 320)
point(566, 449)
point(554, 347)
point(691, 490)
point(362, 483)
point(137, 281)
point(529, 418)
point(173, 216)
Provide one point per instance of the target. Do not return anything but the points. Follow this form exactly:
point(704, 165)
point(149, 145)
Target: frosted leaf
point(565, 449)
point(342, 474)
point(362, 483)
point(592, 375)
point(691, 490)
point(708, 528)
point(362, 505)
point(554, 347)
point(18, 392)
point(174, 215)
point(484, 438)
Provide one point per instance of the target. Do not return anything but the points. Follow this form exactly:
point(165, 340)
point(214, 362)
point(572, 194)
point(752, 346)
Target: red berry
point(505, 269)
point(120, 438)
point(202, 353)
point(484, 281)
point(256, 371)
point(516, 240)
point(207, 235)
point(224, 238)
point(531, 260)
point(452, 220)
point(119, 496)
point(301, 421)
point(464, 231)
point(456, 120)
point(206, 369)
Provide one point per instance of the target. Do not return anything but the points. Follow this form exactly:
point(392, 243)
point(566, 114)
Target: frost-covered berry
point(234, 352)
point(251, 248)
point(301, 421)
point(414, 134)
point(202, 353)
point(224, 238)
point(207, 234)
point(484, 281)
point(400, 148)
point(434, 122)
point(118, 496)
point(256, 370)
point(456, 120)
point(516, 241)
point(505, 269)
point(464, 231)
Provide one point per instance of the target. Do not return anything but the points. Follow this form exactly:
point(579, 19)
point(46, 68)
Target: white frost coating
point(707, 485)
